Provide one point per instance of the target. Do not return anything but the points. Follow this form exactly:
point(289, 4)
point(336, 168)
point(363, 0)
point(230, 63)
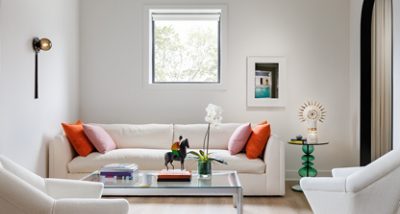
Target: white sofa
point(146, 145)
point(372, 189)
point(21, 191)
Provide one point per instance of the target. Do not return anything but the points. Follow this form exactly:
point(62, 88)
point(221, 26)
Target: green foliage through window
point(186, 51)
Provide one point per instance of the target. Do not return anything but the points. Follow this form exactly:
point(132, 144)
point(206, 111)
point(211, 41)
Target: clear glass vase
point(204, 169)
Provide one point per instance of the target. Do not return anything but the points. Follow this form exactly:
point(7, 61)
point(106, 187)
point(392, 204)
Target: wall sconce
point(38, 45)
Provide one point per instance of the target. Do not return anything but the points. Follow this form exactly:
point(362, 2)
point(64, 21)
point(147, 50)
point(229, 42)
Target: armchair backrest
point(18, 196)
point(377, 184)
point(23, 173)
point(384, 166)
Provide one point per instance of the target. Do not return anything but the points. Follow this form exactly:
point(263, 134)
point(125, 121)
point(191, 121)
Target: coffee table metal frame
point(232, 188)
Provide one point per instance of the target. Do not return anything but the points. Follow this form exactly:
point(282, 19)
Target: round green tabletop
point(305, 143)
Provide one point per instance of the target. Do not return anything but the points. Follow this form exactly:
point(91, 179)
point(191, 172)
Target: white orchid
point(214, 114)
point(213, 117)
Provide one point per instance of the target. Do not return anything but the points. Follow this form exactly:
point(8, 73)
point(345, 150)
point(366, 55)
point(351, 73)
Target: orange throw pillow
point(258, 140)
point(77, 138)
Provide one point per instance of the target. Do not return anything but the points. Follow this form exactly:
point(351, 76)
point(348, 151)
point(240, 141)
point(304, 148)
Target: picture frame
point(266, 81)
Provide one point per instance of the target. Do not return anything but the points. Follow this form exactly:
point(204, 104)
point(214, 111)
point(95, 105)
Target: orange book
point(174, 175)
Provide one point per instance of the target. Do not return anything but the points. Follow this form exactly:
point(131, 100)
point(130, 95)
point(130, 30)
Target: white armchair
point(22, 191)
point(374, 188)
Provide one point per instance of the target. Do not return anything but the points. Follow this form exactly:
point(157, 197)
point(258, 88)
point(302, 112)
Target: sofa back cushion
point(219, 134)
point(147, 136)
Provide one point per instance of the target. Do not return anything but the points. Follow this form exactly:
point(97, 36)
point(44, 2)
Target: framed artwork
point(266, 81)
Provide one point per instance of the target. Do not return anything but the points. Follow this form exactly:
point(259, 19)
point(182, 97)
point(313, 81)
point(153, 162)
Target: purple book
point(118, 174)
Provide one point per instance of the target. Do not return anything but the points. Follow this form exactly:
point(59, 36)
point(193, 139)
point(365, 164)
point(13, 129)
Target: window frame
point(186, 82)
point(148, 50)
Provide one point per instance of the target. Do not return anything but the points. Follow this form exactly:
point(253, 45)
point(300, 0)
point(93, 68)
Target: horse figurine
point(177, 155)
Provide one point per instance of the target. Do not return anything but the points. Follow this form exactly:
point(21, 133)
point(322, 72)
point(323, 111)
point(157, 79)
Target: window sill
point(186, 86)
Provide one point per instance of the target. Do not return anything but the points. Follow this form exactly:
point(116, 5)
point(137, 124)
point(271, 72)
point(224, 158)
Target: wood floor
point(291, 203)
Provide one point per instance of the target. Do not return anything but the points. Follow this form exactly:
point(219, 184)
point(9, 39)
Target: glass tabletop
point(148, 179)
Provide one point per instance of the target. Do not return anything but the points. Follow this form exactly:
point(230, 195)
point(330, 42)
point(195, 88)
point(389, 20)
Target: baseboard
point(293, 175)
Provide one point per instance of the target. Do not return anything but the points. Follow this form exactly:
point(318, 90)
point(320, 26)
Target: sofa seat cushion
point(153, 159)
point(238, 162)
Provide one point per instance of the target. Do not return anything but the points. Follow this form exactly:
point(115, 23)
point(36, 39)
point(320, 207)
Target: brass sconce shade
point(41, 44)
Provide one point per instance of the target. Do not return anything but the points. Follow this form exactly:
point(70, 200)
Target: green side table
point(307, 170)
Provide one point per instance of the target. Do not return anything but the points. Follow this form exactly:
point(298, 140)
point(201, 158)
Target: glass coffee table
point(221, 183)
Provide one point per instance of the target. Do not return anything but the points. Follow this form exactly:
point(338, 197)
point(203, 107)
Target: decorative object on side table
point(312, 112)
point(308, 169)
point(178, 153)
point(213, 118)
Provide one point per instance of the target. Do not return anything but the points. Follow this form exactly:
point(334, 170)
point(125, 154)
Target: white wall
point(396, 74)
point(26, 123)
point(314, 36)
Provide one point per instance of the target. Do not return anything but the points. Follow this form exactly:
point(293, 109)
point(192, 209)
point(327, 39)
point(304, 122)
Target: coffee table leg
point(235, 196)
point(238, 197)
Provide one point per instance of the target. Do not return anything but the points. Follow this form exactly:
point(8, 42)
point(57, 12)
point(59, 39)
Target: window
point(185, 46)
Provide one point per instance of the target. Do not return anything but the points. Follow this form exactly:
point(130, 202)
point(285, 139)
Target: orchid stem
point(208, 137)
point(204, 141)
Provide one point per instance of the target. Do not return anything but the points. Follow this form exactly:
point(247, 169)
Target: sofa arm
point(274, 158)
point(344, 172)
point(60, 154)
point(62, 188)
point(84, 206)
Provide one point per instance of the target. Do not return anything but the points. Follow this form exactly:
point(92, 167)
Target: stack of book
point(298, 140)
point(120, 171)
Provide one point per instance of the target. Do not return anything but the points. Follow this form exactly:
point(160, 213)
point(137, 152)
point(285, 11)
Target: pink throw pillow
point(239, 138)
point(100, 139)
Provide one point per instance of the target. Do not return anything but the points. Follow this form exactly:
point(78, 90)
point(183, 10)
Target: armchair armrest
point(323, 184)
point(326, 194)
point(61, 188)
point(344, 172)
point(60, 154)
point(84, 206)
point(274, 158)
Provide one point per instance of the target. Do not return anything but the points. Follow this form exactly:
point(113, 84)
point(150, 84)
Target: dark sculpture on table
point(178, 153)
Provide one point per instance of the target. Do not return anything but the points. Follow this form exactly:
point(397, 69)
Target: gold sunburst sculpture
point(312, 112)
